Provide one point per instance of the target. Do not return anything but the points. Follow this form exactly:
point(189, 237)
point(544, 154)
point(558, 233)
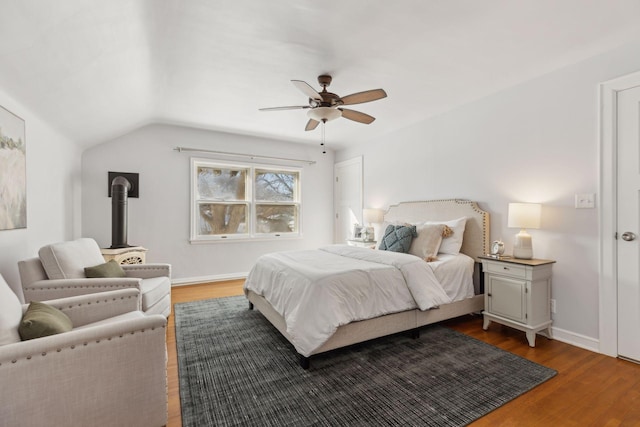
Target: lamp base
point(522, 247)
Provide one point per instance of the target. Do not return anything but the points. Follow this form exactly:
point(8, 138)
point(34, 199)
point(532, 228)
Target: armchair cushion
point(10, 314)
point(107, 269)
point(42, 320)
point(67, 260)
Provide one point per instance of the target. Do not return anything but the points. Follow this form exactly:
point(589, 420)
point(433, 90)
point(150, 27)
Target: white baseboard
point(205, 279)
point(575, 339)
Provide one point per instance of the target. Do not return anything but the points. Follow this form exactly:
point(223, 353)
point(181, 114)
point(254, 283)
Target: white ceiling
point(96, 69)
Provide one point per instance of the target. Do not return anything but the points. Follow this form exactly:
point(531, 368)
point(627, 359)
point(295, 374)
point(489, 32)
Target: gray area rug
point(236, 369)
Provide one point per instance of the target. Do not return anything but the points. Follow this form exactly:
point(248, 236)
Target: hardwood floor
point(589, 390)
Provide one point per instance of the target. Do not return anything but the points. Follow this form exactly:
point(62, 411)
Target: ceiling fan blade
point(305, 88)
point(293, 107)
point(357, 116)
point(366, 96)
point(311, 124)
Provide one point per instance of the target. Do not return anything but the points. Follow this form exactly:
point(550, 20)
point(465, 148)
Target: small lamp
point(371, 216)
point(523, 216)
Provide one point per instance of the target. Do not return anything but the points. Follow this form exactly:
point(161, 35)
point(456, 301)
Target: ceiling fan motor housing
point(324, 80)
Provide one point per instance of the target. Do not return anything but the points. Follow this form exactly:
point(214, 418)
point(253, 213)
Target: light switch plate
point(585, 201)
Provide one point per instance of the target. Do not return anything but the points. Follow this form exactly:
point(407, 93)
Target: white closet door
point(347, 197)
point(628, 223)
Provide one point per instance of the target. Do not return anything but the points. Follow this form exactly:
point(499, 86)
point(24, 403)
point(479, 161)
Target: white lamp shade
point(372, 216)
point(524, 215)
point(320, 114)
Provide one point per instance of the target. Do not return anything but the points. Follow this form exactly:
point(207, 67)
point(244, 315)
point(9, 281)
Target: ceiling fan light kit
point(324, 114)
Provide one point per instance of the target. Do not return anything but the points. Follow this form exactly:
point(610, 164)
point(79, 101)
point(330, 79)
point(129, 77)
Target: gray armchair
point(58, 272)
point(110, 369)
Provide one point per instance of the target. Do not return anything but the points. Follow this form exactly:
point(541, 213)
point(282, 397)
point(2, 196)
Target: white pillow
point(67, 260)
point(428, 242)
point(452, 244)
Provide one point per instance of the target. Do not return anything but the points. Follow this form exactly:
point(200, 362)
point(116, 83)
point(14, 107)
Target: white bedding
point(455, 274)
point(316, 291)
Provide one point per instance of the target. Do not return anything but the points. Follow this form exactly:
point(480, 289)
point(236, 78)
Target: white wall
point(537, 142)
point(159, 219)
point(53, 193)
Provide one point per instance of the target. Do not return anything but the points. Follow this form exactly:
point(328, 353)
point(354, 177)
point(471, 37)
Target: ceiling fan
point(324, 106)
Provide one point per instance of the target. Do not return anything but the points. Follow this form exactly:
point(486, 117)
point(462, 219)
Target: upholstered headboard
point(476, 233)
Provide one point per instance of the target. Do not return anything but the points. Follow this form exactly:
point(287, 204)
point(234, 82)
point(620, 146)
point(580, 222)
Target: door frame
point(608, 280)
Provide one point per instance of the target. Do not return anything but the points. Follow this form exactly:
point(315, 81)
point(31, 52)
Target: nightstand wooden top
point(531, 262)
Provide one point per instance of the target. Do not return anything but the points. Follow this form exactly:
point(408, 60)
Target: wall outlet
point(553, 305)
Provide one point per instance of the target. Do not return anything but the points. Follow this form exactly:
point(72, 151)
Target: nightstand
point(517, 294)
point(371, 244)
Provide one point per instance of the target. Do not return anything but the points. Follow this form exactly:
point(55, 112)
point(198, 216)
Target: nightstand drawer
point(506, 269)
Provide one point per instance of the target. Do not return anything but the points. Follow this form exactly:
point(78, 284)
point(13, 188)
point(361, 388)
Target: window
point(242, 201)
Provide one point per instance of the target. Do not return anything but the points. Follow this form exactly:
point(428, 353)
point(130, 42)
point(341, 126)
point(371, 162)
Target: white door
point(628, 223)
point(347, 197)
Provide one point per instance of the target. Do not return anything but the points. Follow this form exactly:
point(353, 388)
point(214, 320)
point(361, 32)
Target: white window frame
point(252, 234)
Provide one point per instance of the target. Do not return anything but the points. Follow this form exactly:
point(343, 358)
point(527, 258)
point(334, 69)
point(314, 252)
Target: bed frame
point(475, 243)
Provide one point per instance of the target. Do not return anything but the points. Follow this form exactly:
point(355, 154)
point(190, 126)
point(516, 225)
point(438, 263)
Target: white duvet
point(316, 291)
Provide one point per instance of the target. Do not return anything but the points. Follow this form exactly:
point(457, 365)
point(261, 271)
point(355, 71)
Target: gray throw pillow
point(397, 238)
point(108, 269)
point(41, 320)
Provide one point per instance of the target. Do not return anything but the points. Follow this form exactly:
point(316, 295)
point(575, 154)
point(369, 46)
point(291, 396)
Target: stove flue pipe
point(120, 187)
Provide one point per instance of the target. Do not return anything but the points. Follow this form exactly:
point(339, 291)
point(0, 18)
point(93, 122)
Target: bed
point(272, 282)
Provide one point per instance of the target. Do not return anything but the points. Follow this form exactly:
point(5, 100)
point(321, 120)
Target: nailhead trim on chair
point(98, 301)
point(39, 288)
point(72, 347)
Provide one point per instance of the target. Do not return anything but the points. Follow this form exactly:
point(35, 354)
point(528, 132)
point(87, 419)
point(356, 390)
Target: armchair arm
point(108, 374)
point(145, 271)
point(25, 351)
point(61, 288)
point(90, 308)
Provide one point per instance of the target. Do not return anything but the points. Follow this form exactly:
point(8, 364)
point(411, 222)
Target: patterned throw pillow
point(428, 242)
point(397, 238)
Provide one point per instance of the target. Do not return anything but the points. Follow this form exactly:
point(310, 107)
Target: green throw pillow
point(397, 238)
point(42, 320)
point(108, 269)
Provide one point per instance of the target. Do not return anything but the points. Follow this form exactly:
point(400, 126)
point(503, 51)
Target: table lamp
point(370, 217)
point(523, 216)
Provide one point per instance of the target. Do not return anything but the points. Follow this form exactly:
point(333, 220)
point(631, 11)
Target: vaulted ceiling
point(96, 69)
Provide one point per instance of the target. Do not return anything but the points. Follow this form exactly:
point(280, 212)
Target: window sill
point(230, 239)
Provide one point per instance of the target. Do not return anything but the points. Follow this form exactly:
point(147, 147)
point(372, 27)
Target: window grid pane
point(222, 184)
point(222, 218)
point(280, 218)
point(276, 186)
